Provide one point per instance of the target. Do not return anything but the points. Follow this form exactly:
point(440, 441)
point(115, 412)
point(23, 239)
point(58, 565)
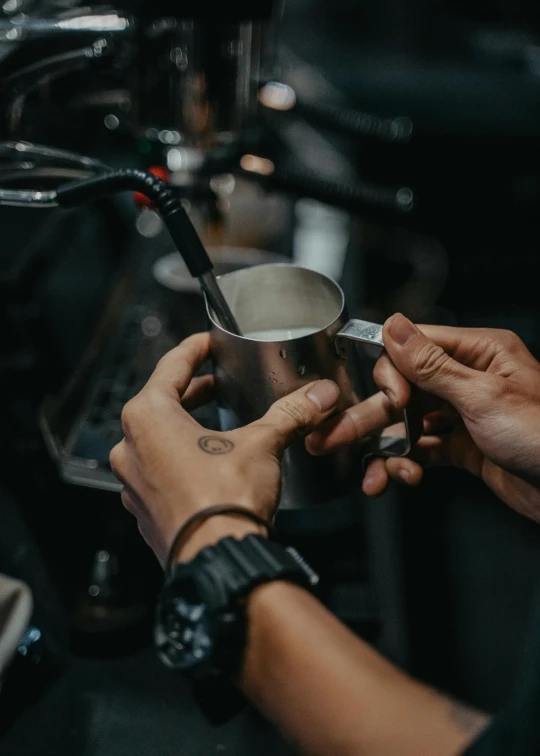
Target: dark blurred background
point(391, 145)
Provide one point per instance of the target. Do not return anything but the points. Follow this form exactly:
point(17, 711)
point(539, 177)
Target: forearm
point(324, 688)
point(330, 693)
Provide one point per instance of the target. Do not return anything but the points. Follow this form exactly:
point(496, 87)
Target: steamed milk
point(280, 334)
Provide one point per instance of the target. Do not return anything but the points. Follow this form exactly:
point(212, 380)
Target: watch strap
point(232, 568)
point(220, 577)
point(204, 514)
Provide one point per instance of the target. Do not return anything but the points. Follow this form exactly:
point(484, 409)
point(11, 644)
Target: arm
point(330, 693)
point(325, 689)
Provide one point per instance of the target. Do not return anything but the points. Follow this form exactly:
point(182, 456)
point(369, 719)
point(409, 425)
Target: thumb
point(425, 364)
point(298, 413)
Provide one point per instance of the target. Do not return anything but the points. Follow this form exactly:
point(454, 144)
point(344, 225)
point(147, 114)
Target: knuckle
point(133, 412)
point(126, 417)
point(494, 389)
point(294, 412)
point(116, 459)
point(127, 501)
point(485, 395)
point(356, 422)
point(193, 340)
point(181, 358)
point(169, 357)
point(509, 340)
point(429, 360)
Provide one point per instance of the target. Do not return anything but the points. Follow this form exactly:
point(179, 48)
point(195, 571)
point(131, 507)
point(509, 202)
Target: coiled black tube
point(174, 216)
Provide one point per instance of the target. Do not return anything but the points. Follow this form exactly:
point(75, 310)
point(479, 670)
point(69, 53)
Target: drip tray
point(82, 425)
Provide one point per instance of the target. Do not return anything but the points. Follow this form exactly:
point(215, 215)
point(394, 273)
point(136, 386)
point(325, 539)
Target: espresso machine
point(196, 92)
point(197, 97)
point(189, 79)
point(85, 91)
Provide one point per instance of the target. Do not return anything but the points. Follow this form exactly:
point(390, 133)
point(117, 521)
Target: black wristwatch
point(201, 618)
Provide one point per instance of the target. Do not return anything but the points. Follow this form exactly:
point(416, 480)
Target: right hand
point(480, 389)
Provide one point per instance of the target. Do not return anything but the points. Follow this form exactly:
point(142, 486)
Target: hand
point(172, 467)
point(480, 389)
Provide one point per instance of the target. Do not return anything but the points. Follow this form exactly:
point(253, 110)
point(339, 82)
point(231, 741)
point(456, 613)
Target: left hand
point(478, 389)
point(172, 467)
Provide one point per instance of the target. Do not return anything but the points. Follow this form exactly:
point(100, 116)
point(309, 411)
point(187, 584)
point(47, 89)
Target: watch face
point(182, 633)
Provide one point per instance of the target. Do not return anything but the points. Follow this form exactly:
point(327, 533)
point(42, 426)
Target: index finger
point(477, 347)
point(473, 347)
point(357, 422)
point(465, 345)
point(174, 371)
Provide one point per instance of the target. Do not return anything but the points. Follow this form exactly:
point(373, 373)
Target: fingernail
point(391, 396)
point(404, 475)
point(324, 394)
point(401, 329)
point(313, 444)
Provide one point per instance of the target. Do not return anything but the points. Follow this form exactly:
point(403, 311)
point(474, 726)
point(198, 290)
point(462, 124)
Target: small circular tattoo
point(215, 445)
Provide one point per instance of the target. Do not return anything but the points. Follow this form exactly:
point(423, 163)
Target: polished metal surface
point(251, 374)
point(39, 74)
point(361, 330)
point(197, 80)
point(387, 446)
point(97, 21)
point(189, 81)
point(26, 161)
point(52, 156)
point(24, 198)
point(218, 302)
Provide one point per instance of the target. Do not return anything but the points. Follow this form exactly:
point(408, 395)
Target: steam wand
point(176, 219)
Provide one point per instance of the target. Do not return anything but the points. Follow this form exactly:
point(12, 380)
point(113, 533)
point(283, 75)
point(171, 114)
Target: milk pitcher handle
point(384, 446)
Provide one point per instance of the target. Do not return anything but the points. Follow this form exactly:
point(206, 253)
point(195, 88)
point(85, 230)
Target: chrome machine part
point(96, 26)
point(193, 78)
point(102, 183)
point(205, 88)
point(92, 21)
point(20, 84)
point(25, 198)
point(23, 161)
point(218, 303)
point(34, 154)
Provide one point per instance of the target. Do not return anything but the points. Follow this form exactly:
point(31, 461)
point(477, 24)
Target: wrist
point(212, 530)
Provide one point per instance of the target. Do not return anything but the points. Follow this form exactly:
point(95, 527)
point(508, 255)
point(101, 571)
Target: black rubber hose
point(355, 196)
point(397, 130)
point(174, 216)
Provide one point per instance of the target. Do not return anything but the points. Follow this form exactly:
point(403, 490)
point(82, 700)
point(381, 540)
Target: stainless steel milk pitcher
point(295, 330)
